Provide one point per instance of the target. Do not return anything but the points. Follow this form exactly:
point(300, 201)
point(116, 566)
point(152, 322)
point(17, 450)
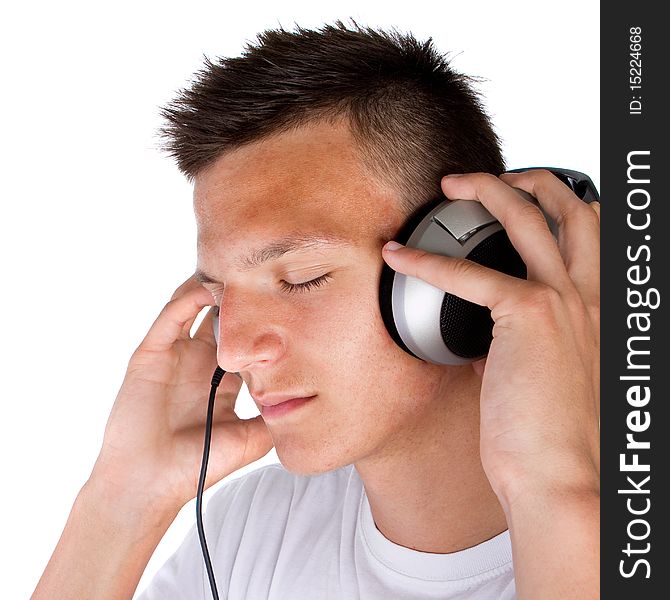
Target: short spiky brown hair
point(414, 118)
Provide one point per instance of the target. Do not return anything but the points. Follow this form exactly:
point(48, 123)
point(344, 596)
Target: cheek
point(351, 321)
point(349, 346)
point(340, 337)
point(338, 324)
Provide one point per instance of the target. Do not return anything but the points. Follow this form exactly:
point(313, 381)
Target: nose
point(248, 331)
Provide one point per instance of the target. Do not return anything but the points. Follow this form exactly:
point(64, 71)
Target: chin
point(300, 461)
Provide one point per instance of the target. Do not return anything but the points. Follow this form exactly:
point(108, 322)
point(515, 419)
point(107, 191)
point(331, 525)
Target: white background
point(96, 226)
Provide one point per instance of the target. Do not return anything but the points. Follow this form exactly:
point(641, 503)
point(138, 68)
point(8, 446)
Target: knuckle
point(486, 177)
point(529, 214)
point(422, 263)
point(579, 214)
point(530, 211)
point(538, 180)
point(484, 181)
point(542, 181)
point(168, 311)
point(179, 291)
point(544, 176)
point(138, 358)
point(542, 298)
point(573, 301)
point(169, 305)
point(463, 267)
point(591, 216)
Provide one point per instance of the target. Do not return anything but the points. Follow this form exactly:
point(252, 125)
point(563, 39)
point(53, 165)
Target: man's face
point(327, 340)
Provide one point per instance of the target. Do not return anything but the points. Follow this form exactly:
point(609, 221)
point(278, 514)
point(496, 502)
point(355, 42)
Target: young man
point(399, 478)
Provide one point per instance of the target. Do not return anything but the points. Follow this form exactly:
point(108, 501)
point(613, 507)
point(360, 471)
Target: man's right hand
point(151, 453)
point(153, 441)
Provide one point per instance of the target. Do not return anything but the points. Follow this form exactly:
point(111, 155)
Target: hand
point(154, 437)
point(540, 381)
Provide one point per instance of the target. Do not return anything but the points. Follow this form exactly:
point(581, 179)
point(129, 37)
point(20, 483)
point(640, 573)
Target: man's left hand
point(540, 380)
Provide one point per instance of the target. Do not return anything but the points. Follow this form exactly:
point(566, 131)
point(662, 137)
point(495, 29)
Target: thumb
point(235, 445)
point(259, 441)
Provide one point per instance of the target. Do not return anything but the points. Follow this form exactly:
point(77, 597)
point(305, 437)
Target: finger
point(255, 439)
point(171, 323)
point(190, 284)
point(578, 227)
point(596, 207)
point(461, 277)
point(259, 440)
point(524, 223)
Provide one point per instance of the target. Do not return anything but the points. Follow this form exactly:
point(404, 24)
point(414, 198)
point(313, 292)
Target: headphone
point(438, 327)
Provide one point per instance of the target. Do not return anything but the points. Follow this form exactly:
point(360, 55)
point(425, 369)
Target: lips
point(273, 406)
point(275, 399)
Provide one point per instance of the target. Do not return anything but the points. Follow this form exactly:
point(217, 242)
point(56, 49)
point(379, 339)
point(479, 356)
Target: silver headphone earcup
point(425, 321)
point(442, 328)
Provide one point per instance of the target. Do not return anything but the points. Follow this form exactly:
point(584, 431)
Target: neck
point(429, 492)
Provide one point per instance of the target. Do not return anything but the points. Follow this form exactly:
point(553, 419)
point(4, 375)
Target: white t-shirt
point(278, 536)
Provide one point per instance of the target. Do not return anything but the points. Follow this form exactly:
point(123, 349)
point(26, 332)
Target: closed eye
point(306, 286)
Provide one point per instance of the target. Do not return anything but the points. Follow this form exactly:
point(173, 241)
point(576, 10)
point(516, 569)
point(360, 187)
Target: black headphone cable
point(216, 380)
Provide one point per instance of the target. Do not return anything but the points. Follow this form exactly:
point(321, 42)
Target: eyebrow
point(278, 248)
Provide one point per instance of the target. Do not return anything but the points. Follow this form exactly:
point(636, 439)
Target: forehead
point(308, 180)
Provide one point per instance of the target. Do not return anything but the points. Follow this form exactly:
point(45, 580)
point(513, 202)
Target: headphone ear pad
point(388, 274)
point(386, 306)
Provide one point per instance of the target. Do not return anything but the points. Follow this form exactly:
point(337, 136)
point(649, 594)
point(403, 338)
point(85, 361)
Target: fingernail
point(390, 246)
point(453, 175)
